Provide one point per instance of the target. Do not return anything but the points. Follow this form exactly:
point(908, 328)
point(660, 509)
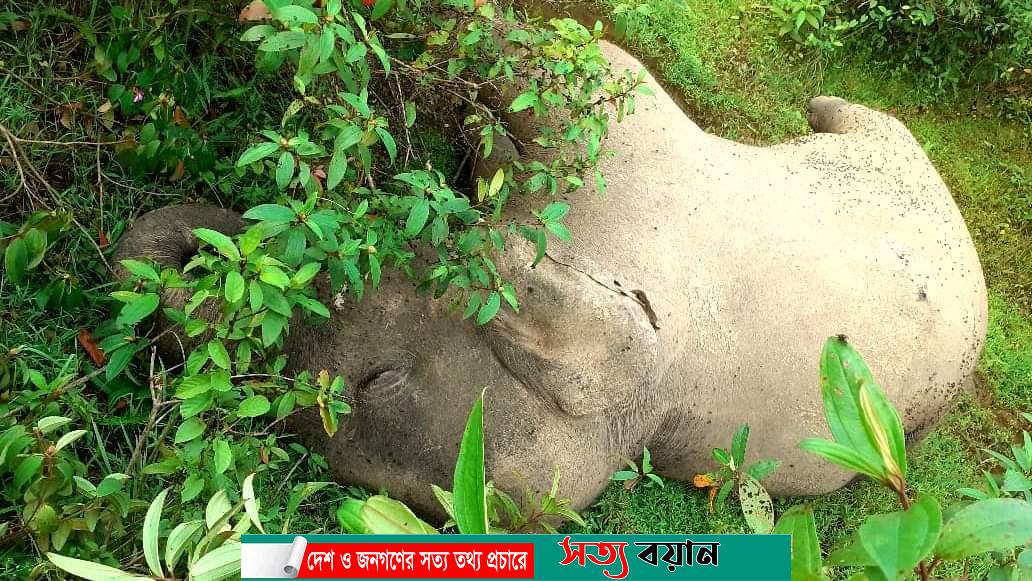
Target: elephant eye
point(386, 376)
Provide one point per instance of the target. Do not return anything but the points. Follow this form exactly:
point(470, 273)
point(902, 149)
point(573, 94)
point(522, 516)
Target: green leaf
point(257, 152)
point(137, 310)
point(338, 167)
point(141, 269)
point(418, 215)
point(50, 423)
point(26, 470)
point(194, 386)
point(559, 231)
point(67, 439)
point(838, 454)
point(218, 506)
point(757, 507)
point(254, 406)
point(382, 515)
point(272, 275)
point(234, 286)
point(219, 563)
point(859, 414)
point(294, 14)
point(189, 430)
point(388, 143)
point(380, 8)
point(251, 501)
point(349, 515)
point(852, 554)
point(721, 456)
point(224, 244)
point(285, 170)
point(997, 524)
point(16, 260)
point(762, 468)
point(272, 327)
point(496, 183)
point(738, 445)
point(223, 455)
point(489, 309)
point(87, 569)
point(898, 541)
point(374, 270)
point(410, 114)
point(151, 528)
point(314, 306)
point(255, 296)
point(329, 419)
point(525, 100)
point(798, 521)
point(305, 274)
point(111, 484)
point(470, 489)
point(623, 475)
point(178, 538)
point(192, 486)
point(257, 32)
point(272, 213)
point(218, 353)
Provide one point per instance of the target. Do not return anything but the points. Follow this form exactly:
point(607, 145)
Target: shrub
point(956, 41)
point(337, 187)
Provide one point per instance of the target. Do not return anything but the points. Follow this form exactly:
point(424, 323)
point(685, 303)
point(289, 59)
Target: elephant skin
point(695, 297)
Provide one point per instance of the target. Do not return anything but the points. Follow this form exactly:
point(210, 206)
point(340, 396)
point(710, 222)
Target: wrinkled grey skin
point(695, 297)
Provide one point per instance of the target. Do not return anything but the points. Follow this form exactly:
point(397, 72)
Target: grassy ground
point(740, 81)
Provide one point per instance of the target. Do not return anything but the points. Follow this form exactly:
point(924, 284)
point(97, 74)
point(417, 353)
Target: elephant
point(695, 297)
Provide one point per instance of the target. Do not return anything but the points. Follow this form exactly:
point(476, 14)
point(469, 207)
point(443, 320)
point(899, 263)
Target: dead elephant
point(695, 297)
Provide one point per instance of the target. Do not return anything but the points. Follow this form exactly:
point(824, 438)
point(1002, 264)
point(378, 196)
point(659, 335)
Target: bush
point(319, 138)
point(956, 41)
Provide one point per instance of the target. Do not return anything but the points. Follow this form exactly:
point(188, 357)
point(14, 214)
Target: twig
point(100, 189)
point(71, 143)
point(84, 379)
point(16, 155)
point(14, 142)
point(157, 386)
point(404, 119)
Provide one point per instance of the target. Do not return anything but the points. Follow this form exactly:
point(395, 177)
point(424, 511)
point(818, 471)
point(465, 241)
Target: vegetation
point(332, 131)
point(97, 429)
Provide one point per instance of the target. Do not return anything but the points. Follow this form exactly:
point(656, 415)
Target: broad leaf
point(151, 528)
point(220, 563)
point(254, 406)
point(178, 539)
point(89, 570)
point(470, 490)
point(898, 541)
point(757, 506)
point(738, 445)
point(996, 524)
point(798, 521)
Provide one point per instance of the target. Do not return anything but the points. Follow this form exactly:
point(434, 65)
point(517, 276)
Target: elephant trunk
point(166, 237)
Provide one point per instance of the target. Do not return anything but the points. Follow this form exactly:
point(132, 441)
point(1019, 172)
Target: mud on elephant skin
point(695, 297)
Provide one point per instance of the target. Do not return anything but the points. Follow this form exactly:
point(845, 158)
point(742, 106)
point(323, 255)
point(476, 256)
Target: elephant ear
point(579, 344)
point(166, 237)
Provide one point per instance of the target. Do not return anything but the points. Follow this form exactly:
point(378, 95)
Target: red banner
point(418, 560)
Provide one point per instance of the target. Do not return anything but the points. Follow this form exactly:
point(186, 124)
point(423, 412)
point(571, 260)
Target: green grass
point(736, 79)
